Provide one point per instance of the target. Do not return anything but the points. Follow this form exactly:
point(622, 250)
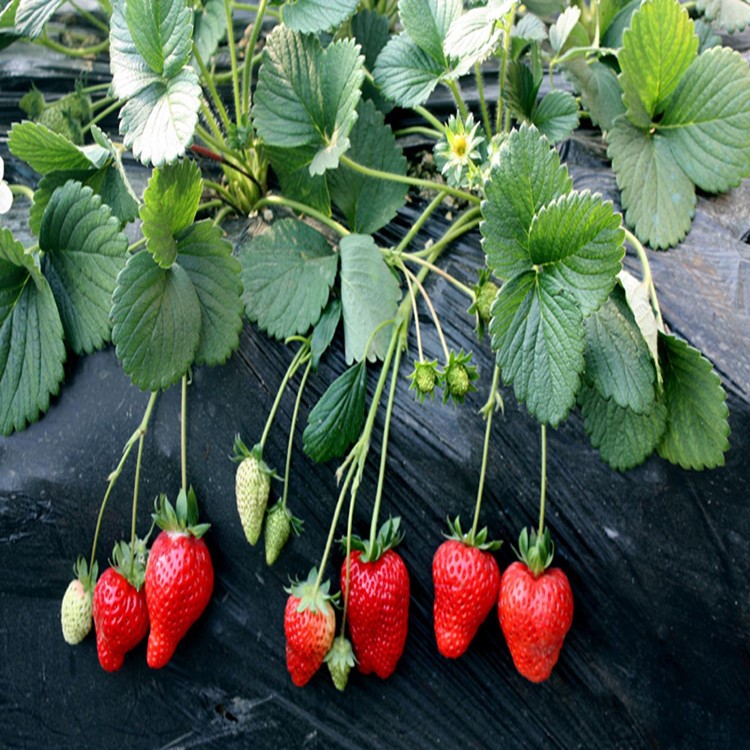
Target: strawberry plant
point(304, 143)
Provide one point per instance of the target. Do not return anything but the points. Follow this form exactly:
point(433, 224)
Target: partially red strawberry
point(179, 576)
point(378, 608)
point(120, 613)
point(309, 625)
point(466, 579)
point(535, 607)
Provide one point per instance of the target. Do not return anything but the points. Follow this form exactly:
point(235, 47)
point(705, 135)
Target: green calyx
point(485, 291)
point(129, 563)
point(340, 660)
point(424, 379)
point(389, 536)
point(478, 540)
point(312, 597)
point(241, 452)
point(280, 525)
point(84, 575)
point(458, 377)
point(181, 517)
point(536, 551)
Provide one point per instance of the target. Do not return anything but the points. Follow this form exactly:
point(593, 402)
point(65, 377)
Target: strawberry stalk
point(295, 414)
point(183, 432)
point(114, 476)
point(543, 483)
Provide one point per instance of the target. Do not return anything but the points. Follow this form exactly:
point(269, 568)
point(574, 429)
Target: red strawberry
point(535, 608)
point(467, 580)
point(179, 576)
point(120, 613)
point(309, 625)
point(378, 608)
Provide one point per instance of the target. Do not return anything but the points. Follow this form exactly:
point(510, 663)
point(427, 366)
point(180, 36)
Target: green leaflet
point(45, 151)
point(170, 202)
point(314, 16)
point(324, 331)
point(287, 273)
point(32, 16)
point(209, 29)
point(31, 338)
point(371, 31)
point(427, 23)
point(307, 96)
point(162, 91)
point(730, 15)
point(697, 434)
point(369, 297)
point(84, 250)
point(599, 88)
point(336, 420)
point(369, 203)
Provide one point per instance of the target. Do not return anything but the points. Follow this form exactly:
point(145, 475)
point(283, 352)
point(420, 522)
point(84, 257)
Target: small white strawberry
point(76, 609)
point(252, 487)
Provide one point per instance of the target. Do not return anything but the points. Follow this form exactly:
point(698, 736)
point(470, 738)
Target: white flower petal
point(6, 198)
point(2, 168)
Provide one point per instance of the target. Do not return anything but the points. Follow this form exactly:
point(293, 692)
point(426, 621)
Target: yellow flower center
point(459, 145)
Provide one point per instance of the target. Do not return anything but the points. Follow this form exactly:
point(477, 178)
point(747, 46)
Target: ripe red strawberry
point(309, 625)
point(466, 579)
point(120, 613)
point(535, 608)
point(378, 608)
point(179, 576)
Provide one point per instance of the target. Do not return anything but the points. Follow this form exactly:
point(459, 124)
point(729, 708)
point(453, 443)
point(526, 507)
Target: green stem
point(648, 279)
point(115, 475)
point(417, 326)
point(348, 558)
point(489, 413)
point(104, 113)
point(290, 444)
point(418, 130)
point(211, 86)
point(419, 223)
point(183, 432)
point(23, 191)
point(247, 71)
point(223, 192)
point(433, 312)
point(440, 272)
point(233, 61)
point(397, 336)
point(208, 205)
point(91, 18)
point(134, 517)
point(254, 9)
point(413, 181)
point(222, 215)
point(543, 490)
point(291, 370)
point(501, 78)
point(486, 121)
point(105, 102)
point(453, 86)
point(301, 208)
point(208, 116)
point(427, 115)
point(137, 244)
point(74, 51)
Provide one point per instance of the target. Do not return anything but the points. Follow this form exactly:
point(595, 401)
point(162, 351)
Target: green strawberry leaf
point(371, 31)
point(538, 334)
point(528, 177)
point(729, 15)
point(157, 322)
point(307, 96)
point(656, 51)
point(658, 197)
point(639, 302)
point(335, 422)
point(369, 203)
point(618, 360)
point(31, 338)
point(287, 273)
point(707, 120)
point(601, 93)
point(324, 331)
point(207, 258)
point(556, 115)
point(521, 90)
point(32, 16)
point(474, 36)
point(314, 16)
point(84, 250)
point(623, 437)
point(427, 23)
point(697, 434)
point(161, 112)
point(209, 29)
point(369, 297)
point(291, 167)
point(405, 73)
point(162, 33)
point(45, 151)
point(170, 202)
point(578, 241)
point(562, 28)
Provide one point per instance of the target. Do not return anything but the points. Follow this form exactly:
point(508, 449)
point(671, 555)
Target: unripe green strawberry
point(280, 524)
point(424, 379)
point(252, 487)
point(458, 377)
point(59, 121)
point(485, 296)
point(340, 660)
point(77, 604)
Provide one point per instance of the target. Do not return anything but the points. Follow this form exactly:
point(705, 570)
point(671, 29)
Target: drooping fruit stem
point(134, 516)
point(543, 490)
point(291, 433)
point(114, 476)
point(183, 432)
point(489, 411)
